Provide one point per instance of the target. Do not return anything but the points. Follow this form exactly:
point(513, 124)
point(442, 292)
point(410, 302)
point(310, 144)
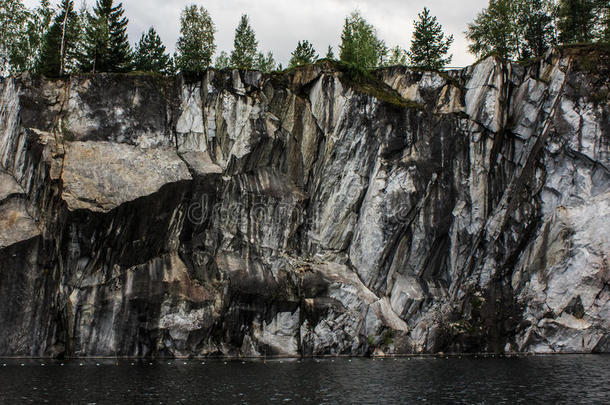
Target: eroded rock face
point(297, 214)
point(100, 176)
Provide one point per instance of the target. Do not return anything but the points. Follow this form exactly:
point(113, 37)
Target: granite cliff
point(308, 212)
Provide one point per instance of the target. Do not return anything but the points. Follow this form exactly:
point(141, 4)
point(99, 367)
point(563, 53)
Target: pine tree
point(106, 46)
point(303, 54)
point(172, 69)
point(578, 20)
point(59, 44)
point(196, 45)
point(330, 54)
point(398, 56)
point(265, 63)
point(150, 54)
point(429, 46)
point(222, 61)
point(359, 43)
point(244, 45)
point(347, 48)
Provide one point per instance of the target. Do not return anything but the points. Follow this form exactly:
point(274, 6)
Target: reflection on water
point(542, 379)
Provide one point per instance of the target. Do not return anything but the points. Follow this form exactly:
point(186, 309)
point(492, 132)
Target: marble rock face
point(304, 213)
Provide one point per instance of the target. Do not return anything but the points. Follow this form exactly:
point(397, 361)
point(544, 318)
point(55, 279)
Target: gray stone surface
point(304, 213)
point(16, 224)
point(8, 186)
point(100, 176)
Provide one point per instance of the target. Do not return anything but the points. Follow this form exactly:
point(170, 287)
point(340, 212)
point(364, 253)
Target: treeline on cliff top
point(60, 40)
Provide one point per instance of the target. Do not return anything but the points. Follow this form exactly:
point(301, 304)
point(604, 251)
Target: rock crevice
point(307, 213)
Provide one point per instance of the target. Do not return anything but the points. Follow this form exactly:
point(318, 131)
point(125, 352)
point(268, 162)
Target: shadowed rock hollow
point(307, 213)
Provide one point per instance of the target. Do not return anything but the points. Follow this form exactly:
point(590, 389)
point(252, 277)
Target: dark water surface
point(545, 379)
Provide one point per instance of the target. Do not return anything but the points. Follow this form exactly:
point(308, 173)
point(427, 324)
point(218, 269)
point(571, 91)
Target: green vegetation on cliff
point(58, 40)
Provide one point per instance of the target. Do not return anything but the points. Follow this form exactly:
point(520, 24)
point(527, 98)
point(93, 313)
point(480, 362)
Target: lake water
point(471, 380)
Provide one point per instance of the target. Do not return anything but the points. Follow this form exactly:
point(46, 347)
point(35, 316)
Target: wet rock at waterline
point(305, 213)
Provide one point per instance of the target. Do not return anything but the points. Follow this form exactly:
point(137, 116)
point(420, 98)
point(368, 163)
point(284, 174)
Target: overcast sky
point(279, 24)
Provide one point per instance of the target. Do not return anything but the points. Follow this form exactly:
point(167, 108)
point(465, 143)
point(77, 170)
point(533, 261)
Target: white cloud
point(279, 24)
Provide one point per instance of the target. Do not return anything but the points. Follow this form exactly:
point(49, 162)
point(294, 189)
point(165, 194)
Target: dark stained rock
point(306, 213)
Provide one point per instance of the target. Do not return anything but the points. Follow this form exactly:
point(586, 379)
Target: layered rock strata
point(309, 212)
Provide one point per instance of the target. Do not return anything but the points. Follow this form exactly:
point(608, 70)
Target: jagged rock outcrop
point(308, 212)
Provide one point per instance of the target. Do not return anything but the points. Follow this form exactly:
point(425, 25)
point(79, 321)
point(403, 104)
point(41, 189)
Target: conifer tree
point(59, 48)
point(196, 45)
point(244, 45)
point(150, 54)
point(397, 56)
point(265, 63)
point(222, 61)
point(359, 43)
point(429, 46)
point(330, 54)
point(106, 46)
point(303, 54)
point(579, 19)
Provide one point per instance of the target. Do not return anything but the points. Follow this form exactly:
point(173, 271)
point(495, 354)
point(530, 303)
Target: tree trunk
point(62, 50)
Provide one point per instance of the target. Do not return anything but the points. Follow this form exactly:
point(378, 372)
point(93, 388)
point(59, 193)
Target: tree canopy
point(245, 46)
point(521, 29)
point(60, 40)
point(21, 34)
point(429, 46)
point(581, 21)
point(303, 54)
point(59, 46)
point(535, 19)
point(195, 46)
point(150, 54)
point(14, 17)
point(223, 61)
point(106, 47)
point(360, 45)
point(397, 56)
point(265, 63)
point(493, 30)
